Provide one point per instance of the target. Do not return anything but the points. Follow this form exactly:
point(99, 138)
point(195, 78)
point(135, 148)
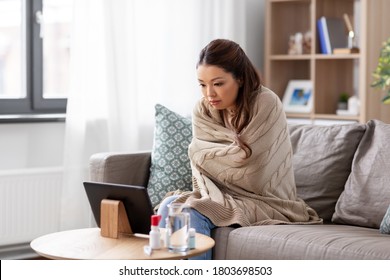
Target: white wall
point(30, 145)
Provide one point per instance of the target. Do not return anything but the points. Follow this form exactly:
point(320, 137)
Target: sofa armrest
point(120, 168)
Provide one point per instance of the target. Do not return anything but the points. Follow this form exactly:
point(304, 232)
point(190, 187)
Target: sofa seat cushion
point(308, 242)
point(221, 236)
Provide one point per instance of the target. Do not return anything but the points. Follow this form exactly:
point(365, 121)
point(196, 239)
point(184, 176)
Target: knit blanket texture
point(231, 189)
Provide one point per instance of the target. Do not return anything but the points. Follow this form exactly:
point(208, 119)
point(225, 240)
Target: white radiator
point(29, 203)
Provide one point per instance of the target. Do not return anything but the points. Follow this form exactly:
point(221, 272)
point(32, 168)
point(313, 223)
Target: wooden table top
point(88, 243)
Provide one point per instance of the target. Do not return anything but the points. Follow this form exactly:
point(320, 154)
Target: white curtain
point(126, 56)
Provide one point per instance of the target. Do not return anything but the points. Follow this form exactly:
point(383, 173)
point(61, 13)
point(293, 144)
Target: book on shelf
point(332, 34)
point(345, 50)
point(323, 36)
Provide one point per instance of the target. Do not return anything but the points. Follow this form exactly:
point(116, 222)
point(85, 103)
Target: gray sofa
point(342, 171)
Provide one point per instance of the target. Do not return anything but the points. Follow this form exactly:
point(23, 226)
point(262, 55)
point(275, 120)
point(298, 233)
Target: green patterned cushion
point(385, 224)
point(170, 167)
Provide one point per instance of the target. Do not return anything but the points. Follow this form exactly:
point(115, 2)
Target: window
point(34, 55)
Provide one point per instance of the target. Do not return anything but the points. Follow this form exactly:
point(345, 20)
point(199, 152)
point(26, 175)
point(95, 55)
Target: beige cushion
point(367, 192)
point(322, 162)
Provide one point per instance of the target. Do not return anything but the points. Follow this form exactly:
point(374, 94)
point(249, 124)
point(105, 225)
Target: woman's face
point(218, 87)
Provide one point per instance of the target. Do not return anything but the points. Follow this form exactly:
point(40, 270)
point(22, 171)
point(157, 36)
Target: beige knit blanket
point(231, 189)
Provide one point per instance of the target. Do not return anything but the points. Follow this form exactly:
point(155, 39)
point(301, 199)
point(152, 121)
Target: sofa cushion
point(307, 242)
point(322, 162)
point(366, 196)
point(221, 237)
point(385, 224)
point(170, 168)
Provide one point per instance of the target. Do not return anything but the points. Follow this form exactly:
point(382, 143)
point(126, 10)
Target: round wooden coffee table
point(89, 244)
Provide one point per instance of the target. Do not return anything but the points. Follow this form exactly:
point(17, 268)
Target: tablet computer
point(135, 199)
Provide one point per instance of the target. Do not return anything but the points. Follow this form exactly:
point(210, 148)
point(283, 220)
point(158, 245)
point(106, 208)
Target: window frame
point(33, 102)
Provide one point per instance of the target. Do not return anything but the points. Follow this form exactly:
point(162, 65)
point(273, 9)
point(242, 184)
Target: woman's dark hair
point(229, 56)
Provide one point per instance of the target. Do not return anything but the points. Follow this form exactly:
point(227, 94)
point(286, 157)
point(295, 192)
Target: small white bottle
point(167, 232)
point(154, 235)
point(191, 238)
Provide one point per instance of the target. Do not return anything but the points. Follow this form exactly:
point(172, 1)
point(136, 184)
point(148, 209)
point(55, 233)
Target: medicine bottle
point(154, 235)
point(191, 238)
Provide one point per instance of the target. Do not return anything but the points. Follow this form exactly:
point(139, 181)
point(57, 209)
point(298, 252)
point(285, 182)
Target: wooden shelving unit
point(330, 74)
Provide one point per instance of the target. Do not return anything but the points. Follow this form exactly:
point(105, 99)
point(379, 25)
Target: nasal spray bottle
point(154, 235)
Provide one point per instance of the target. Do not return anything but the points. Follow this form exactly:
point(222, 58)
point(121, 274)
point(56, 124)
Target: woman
point(241, 155)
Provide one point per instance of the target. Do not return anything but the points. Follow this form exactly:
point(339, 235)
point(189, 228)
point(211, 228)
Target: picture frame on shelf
point(298, 96)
